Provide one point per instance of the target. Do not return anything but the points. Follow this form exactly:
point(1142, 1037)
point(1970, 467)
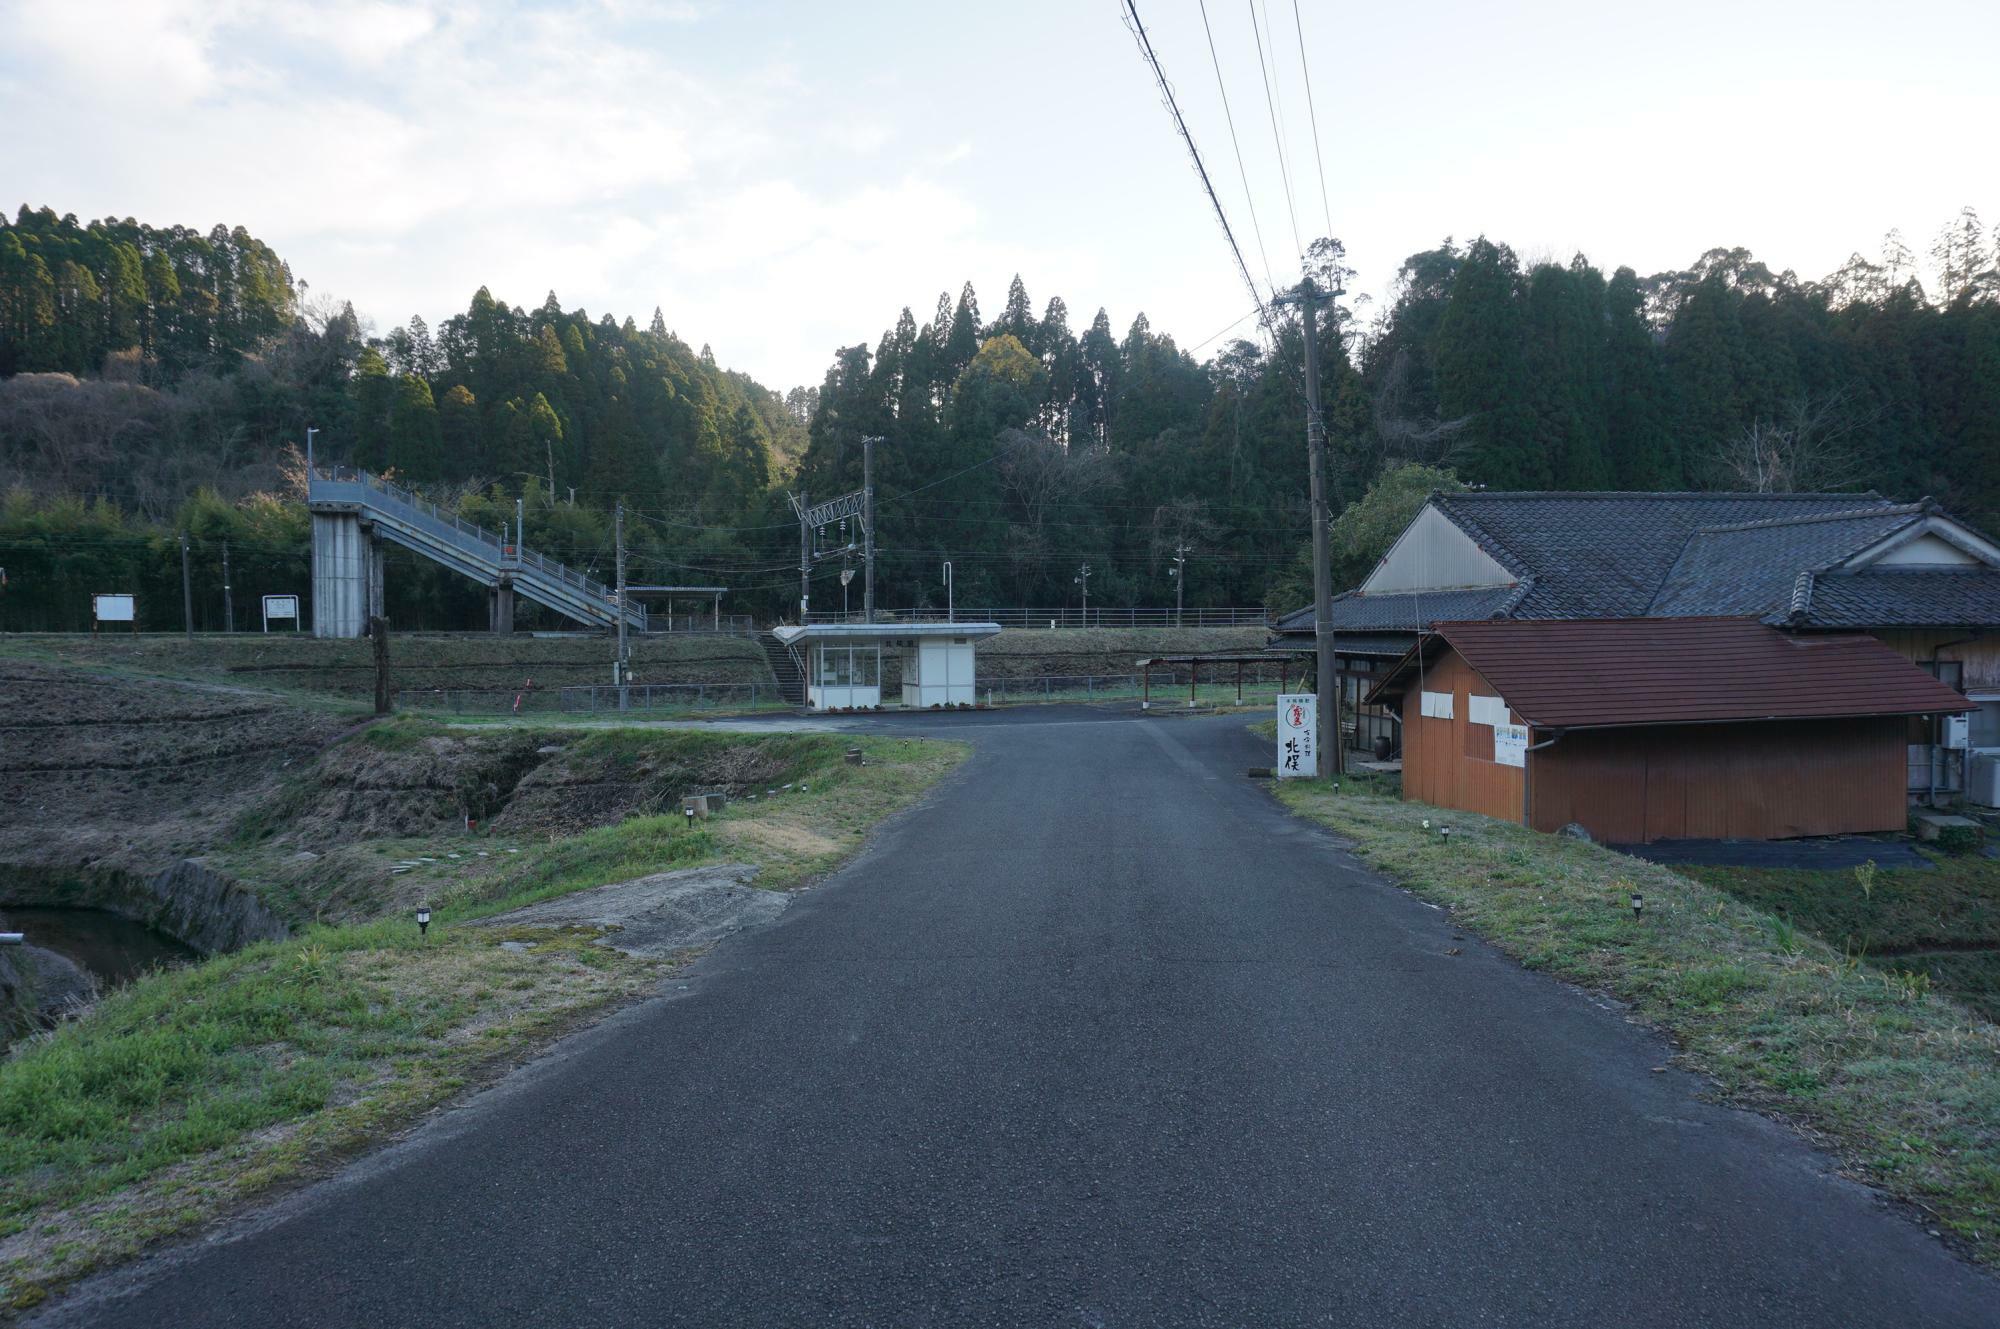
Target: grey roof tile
point(1592, 555)
point(1752, 568)
point(1611, 555)
point(1893, 598)
point(1355, 612)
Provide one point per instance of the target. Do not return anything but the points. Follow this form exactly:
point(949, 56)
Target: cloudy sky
point(781, 178)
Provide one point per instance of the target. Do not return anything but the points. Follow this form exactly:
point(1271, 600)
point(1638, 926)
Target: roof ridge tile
point(1801, 519)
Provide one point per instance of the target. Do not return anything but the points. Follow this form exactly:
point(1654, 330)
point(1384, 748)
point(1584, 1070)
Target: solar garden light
point(1638, 904)
point(689, 809)
point(424, 921)
point(1446, 832)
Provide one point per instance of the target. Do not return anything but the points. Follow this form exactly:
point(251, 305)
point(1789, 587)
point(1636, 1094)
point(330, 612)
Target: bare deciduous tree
point(1809, 447)
point(1405, 435)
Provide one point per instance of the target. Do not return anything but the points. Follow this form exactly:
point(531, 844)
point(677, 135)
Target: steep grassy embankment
point(193, 1090)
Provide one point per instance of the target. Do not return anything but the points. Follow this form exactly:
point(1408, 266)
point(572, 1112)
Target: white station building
point(843, 662)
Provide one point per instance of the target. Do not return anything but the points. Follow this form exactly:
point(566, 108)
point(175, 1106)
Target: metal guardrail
point(659, 623)
point(1095, 617)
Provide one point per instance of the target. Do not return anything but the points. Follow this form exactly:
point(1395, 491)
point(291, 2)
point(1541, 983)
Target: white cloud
point(780, 178)
point(130, 51)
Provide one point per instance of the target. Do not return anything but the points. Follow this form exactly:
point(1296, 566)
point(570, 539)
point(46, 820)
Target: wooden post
point(378, 632)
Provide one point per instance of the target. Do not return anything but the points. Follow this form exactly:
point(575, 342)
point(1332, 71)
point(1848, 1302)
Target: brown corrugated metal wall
point(1757, 781)
point(1450, 762)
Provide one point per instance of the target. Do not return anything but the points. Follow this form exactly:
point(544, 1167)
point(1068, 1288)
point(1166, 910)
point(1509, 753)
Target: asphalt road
point(1097, 1036)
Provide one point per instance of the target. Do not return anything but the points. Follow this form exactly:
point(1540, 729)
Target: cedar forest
point(157, 383)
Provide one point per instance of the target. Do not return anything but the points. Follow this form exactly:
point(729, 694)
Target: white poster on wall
point(1510, 744)
point(1298, 723)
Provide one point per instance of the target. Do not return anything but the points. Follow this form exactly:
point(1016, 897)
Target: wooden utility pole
point(1327, 749)
point(1180, 578)
point(187, 591)
point(378, 633)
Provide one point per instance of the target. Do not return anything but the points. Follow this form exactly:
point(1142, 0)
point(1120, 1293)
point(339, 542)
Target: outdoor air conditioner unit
point(1982, 781)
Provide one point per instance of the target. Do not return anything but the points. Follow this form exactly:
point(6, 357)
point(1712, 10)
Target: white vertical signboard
point(1298, 722)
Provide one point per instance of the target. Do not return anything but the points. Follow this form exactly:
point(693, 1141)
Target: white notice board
point(1298, 724)
point(113, 608)
point(281, 606)
point(1510, 744)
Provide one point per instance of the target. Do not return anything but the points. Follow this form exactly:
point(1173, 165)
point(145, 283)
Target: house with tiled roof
point(1909, 574)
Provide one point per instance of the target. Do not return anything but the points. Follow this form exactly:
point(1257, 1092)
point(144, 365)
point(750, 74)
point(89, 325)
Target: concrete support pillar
point(500, 608)
point(342, 571)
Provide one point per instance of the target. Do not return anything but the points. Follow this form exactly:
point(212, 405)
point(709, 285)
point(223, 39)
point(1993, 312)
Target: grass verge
point(192, 1091)
point(1901, 1083)
point(1942, 922)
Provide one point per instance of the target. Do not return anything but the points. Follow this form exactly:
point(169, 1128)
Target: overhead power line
point(1312, 113)
point(1242, 172)
point(1173, 108)
point(1277, 135)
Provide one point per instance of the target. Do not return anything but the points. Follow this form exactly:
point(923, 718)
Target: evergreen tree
point(1482, 372)
point(416, 445)
point(368, 427)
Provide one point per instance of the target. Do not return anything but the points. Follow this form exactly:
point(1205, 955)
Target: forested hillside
point(147, 365)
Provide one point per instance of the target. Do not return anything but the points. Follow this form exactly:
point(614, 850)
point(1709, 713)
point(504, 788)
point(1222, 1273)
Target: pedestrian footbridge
point(354, 511)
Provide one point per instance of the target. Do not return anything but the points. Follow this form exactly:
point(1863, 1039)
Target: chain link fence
point(1169, 686)
point(1072, 617)
point(593, 699)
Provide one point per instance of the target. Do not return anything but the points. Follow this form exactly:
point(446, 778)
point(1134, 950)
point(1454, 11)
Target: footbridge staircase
point(353, 511)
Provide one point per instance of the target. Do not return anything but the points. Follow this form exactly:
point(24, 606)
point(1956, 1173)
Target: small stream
point(109, 948)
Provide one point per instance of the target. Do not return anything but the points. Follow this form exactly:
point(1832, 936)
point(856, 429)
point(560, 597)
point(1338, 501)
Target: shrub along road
point(1099, 1035)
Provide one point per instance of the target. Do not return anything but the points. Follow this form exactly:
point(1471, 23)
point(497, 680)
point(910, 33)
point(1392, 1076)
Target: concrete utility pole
point(868, 528)
point(619, 670)
point(228, 605)
point(805, 557)
point(187, 591)
point(1327, 750)
point(1082, 579)
point(950, 613)
point(1181, 551)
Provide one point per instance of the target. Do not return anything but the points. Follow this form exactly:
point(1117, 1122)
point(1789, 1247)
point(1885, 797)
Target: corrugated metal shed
point(1605, 673)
